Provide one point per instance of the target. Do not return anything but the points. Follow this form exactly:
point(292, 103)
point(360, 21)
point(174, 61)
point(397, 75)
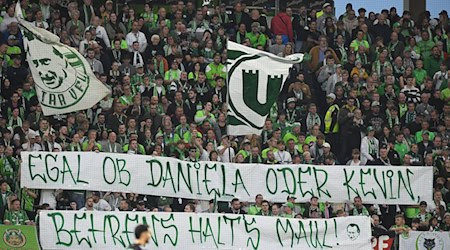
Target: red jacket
point(281, 24)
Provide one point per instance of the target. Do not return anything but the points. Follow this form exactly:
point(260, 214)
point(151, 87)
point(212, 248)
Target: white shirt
point(102, 34)
point(283, 157)
point(228, 154)
point(102, 205)
point(140, 37)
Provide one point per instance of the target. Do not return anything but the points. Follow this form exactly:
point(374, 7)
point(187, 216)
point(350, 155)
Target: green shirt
point(253, 210)
point(16, 217)
point(445, 95)
point(419, 136)
point(425, 47)
point(8, 167)
point(420, 75)
point(257, 39)
point(213, 70)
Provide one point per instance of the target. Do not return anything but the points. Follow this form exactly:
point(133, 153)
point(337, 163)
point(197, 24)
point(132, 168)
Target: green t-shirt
point(420, 75)
point(16, 217)
point(27, 201)
point(253, 210)
point(445, 95)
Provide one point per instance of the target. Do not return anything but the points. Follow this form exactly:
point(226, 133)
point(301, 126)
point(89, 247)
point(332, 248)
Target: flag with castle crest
point(255, 80)
point(64, 79)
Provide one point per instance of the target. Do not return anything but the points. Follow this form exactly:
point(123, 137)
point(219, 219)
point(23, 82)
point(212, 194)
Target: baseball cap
point(326, 145)
point(141, 202)
point(139, 65)
point(331, 96)
point(291, 99)
point(289, 204)
point(423, 203)
point(291, 197)
point(370, 128)
point(375, 103)
point(326, 5)
point(397, 24)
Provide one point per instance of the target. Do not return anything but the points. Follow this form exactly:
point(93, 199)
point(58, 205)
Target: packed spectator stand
point(373, 89)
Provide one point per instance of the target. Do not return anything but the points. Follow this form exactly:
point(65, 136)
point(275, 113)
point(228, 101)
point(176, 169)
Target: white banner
point(425, 240)
point(162, 176)
point(114, 230)
point(255, 80)
point(64, 78)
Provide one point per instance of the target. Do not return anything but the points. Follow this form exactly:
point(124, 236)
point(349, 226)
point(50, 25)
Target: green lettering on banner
point(53, 168)
point(129, 230)
point(315, 242)
point(382, 188)
point(112, 223)
point(79, 171)
point(66, 169)
point(154, 231)
point(273, 172)
point(239, 181)
point(406, 185)
point(390, 174)
point(363, 184)
point(227, 219)
point(224, 182)
point(348, 185)
point(206, 180)
point(198, 231)
point(250, 240)
point(59, 227)
point(319, 186)
point(31, 166)
point(300, 182)
point(288, 228)
point(75, 231)
point(197, 173)
point(169, 177)
point(302, 231)
point(219, 226)
point(289, 190)
point(182, 176)
point(93, 231)
point(208, 232)
point(118, 166)
point(151, 164)
point(173, 240)
point(109, 159)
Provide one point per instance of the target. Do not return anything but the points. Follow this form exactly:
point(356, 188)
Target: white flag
point(64, 79)
point(255, 80)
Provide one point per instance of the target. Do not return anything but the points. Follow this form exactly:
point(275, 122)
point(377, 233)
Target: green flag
point(64, 79)
point(255, 80)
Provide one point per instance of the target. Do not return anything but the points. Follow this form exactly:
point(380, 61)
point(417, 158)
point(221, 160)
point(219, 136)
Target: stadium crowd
point(373, 89)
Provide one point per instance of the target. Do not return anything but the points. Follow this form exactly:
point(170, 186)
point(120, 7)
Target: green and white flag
point(64, 79)
point(255, 80)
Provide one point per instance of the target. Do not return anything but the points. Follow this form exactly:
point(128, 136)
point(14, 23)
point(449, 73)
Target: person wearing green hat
point(288, 210)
